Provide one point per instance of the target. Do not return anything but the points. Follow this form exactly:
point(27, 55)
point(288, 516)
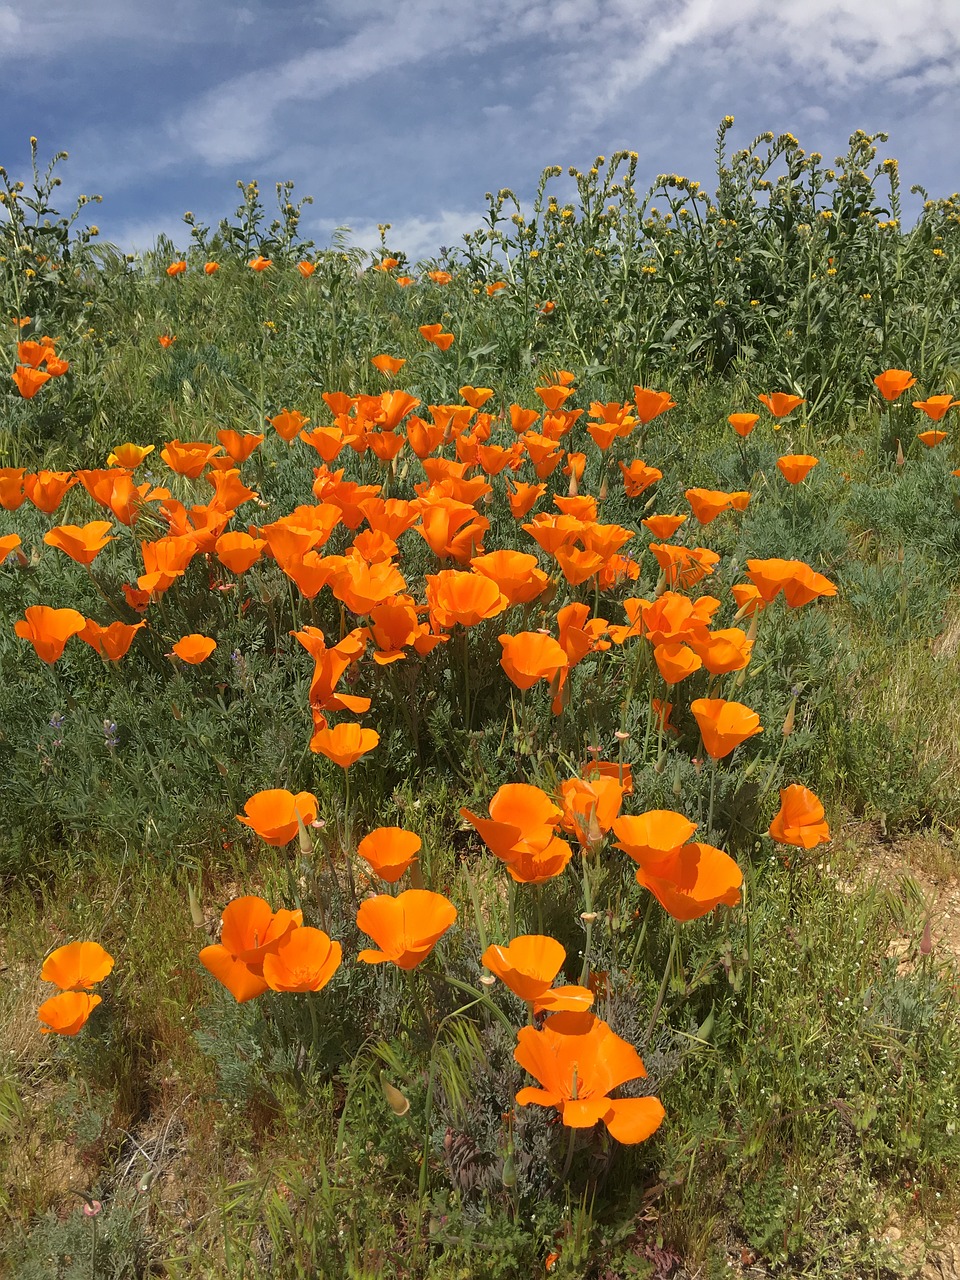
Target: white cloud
point(418, 236)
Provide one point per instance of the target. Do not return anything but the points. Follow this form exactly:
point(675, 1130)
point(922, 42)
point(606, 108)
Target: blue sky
point(408, 111)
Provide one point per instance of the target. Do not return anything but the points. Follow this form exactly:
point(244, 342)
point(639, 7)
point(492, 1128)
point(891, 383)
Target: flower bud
point(398, 1103)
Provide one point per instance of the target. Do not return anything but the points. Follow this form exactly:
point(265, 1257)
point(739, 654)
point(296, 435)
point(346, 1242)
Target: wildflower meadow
point(479, 767)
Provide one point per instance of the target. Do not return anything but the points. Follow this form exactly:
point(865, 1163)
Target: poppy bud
point(900, 458)
point(677, 784)
point(196, 911)
point(509, 1175)
point(926, 942)
point(601, 495)
point(396, 1101)
point(788, 722)
point(573, 488)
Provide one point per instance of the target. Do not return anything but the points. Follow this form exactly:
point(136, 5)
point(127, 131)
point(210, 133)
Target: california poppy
point(794, 466)
point(81, 543)
point(637, 477)
point(239, 446)
point(936, 407)
point(799, 583)
point(77, 966)
point(743, 423)
point(465, 598)
point(194, 648)
point(590, 806)
point(684, 566)
point(344, 744)
point(288, 424)
point(129, 456)
point(528, 966)
point(12, 495)
point(29, 381)
point(45, 489)
point(724, 725)
point(531, 656)
point(650, 404)
point(780, 403)
point(390, 851)
point(521, 832)
point(676, 661)
point(693, 880)
point(893, 382)
point(931, 438)
point(188, 458)
point(707, 504)
point(306, 268)
point(434, 333)
point(251, 931)
point(111, 642)
point(211, 268)
point(260, 263)
point(578, 1062)
point(166, 340)
point(273, 815)
point(48, 630)
point(305, 959)
point(663, 526)
point(387, 364)
point(239, 551)
point(405, 928)
point(800, 820)
point(439, 277)
point(515, 572)
point(66, 1013)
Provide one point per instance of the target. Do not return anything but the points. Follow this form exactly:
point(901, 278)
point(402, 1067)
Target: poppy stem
point(643, 932)
point(477, 913)
point(713, 796)
point(662, 993)
point(588, 912)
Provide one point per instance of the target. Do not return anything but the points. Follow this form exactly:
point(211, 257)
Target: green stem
point(661, 994)
point(588, 911)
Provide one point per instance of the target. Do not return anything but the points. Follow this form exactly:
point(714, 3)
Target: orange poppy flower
point(521, 832)
point(211, 268)
point(707, 504)
point(651, 838)
point(12, 495)
point(935, 407)
point(344, 744)
point(238, 446)
point(893, 382)
point(743, 423)
point(693, 880)
point(194, 648)
point(684, 566)
point(724, 725)
point(528, 966)
point(675, 661)
point(9, 542)
point(390, 851)
point(748, 598)
point(305, 959)
point(590, 806)
point(638, 477)
point(48, 630)
point(406, 281)
point(176, 268)
point(794, 466)
point(723, 651)
point(650, 404)
point(931, 438)
point(188, 457)
point(531, 656)
point(780, 403)
point(386, 264)
point(77, 966)
point(387, 364)
point(579, 1061)
point(129, 456)
point(66, 1013)
point(663, 526)
point(476, 397)
point(522, 498)
point(434, 333)
point(273, 815)
point(239, 551)
point(288, 424)
point(439, 277)
point(260, 263)
point(515, 573)
point(495, 287)
point(112, 642)
point(799, 583)
point(306, 268)
point(455, 597)
point(166, 340)
point(34, 354)
point(251, 931)
point(800, 821)
point(405, 928)
point(82, 543)
point(45, 489)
